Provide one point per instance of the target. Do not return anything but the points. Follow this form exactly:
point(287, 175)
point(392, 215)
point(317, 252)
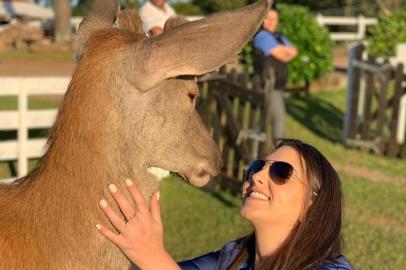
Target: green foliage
point(186, 8)
point(210, 6)
point(246, 58)
point(82, 7)
point(390, 31)
point(318, 5)
point(315, 56)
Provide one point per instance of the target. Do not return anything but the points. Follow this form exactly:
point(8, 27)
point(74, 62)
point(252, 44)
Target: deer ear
point(130, 20)
point(173, 22)
point(101, 15)
point(197, 47)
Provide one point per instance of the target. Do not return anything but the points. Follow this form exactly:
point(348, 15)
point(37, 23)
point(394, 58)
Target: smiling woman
point(292, 199)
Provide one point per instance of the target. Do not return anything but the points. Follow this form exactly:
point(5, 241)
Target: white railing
point(360, 22)
point(24, 119)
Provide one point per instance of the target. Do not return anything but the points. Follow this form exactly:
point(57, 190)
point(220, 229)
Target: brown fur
point(111, 126)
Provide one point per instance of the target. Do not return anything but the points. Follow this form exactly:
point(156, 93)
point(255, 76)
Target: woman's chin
point(249, 214)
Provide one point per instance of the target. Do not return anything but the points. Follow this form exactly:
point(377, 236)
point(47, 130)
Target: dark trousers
point(277, 115)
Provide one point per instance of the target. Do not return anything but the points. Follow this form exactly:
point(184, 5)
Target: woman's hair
point(315, 239)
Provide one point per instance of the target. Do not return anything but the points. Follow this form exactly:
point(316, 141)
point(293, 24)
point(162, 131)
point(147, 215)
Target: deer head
point(153, 88)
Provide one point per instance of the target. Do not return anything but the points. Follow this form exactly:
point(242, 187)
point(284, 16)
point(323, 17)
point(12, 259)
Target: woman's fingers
point(136, 195)
point(122, 202)
point(115, 220)
point(155, 207)
point(115, 238)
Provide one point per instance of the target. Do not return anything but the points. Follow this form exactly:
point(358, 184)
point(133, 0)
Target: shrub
point(315, 56)
point(313, 42)
point(386, 34)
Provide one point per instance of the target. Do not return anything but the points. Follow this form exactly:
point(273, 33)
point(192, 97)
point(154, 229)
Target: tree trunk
point(63, 13)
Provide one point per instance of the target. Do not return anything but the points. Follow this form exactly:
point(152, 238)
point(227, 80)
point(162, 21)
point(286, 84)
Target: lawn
point(198, 220)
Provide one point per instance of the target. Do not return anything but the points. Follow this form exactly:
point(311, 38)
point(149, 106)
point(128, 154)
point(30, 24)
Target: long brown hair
point(316, 239)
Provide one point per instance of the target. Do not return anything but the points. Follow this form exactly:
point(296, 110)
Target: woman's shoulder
point(341, 263)
point(211, 260)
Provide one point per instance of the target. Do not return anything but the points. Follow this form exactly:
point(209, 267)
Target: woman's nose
point(258, 178)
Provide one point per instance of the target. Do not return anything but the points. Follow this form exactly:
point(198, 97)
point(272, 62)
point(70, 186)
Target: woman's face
point(159, 3)
point(282, 204)
point(271, 21)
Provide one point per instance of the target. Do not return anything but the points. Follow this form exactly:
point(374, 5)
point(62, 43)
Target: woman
point(292, 199)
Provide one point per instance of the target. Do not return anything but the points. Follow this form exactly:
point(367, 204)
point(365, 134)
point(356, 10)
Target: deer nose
point(212, 168)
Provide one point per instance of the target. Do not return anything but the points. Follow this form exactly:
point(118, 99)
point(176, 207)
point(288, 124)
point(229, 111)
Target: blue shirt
point(266, 41)
point(221, 259)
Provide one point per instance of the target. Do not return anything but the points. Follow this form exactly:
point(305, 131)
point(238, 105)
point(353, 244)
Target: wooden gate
point(376, 106)
point(237, 113)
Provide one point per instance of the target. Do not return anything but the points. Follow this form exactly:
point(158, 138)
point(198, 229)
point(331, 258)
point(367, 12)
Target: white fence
point(24, 119)
point(360, 22)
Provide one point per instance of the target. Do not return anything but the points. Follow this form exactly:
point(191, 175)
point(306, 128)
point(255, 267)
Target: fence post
point(22, 130)
point(319, 19)
point(354, 78)
point(396, 120)
point(361, 27)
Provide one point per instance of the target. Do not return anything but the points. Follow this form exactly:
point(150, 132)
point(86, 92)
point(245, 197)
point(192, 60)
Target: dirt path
point(369, 174)
point(376, 220)
point(31, 67)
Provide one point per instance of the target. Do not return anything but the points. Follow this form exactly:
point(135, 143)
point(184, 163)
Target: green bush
point(210, 6)
point(186, 8)
point(390, 31)
point(315, 56)
point(313, 42)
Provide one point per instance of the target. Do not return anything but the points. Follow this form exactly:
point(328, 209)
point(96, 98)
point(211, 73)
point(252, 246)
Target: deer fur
point(129, 107)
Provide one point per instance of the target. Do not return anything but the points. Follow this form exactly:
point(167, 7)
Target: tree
point(210, 6)
point(63, 13)
point(388, 7)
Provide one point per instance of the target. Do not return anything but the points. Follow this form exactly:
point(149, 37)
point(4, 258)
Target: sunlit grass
point(198, 221)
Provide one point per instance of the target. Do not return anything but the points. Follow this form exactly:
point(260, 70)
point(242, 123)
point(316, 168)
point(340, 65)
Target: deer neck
point(87, 152)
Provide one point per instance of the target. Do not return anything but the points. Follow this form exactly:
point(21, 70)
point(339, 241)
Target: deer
point(129, 107)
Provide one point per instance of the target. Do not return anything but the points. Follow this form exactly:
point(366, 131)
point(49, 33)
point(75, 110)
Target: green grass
point(34, 103)
point(24, 54)
point(198, 221)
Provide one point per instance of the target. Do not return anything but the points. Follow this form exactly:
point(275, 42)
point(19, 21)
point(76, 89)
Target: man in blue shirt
point(273, 51)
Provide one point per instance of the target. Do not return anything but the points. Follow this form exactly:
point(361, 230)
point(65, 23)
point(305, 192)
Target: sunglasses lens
point(254, 167)
point(280, 172)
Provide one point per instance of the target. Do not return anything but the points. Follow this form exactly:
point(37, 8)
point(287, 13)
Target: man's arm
point(284, 53)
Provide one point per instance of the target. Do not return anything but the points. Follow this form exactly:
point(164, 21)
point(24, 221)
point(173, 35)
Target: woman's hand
point(141, 236)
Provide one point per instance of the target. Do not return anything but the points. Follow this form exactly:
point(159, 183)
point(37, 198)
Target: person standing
point(275, 51)
point(154, 14)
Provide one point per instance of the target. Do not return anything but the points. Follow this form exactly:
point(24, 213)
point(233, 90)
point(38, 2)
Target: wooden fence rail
point(376, 105)
point(236, 110)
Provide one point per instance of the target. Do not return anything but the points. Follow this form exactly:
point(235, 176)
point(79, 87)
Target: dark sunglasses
point(279, 171)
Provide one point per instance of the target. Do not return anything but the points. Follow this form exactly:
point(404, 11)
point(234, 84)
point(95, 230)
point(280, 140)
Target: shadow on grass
point(221, 196)
point(319, 116)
